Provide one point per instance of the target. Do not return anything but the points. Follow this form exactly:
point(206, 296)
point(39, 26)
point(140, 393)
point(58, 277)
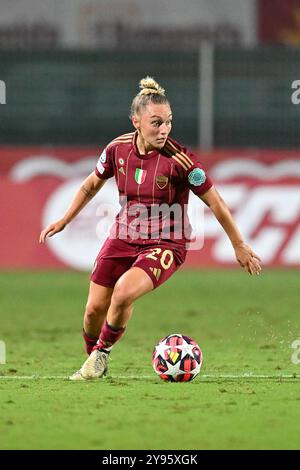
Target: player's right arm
point(89, 188)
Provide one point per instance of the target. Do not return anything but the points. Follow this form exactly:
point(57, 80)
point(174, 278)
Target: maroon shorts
point(159, 261)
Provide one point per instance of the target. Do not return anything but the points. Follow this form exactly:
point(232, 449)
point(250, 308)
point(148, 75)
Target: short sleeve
point(197, 178)
point(104, 168)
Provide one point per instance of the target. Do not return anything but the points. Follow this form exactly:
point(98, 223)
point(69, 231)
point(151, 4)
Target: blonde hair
point(151, 92)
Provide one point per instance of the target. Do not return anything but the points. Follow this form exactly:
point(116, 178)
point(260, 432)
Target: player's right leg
point(106, 272)
point(95, 313)
point(132, 285)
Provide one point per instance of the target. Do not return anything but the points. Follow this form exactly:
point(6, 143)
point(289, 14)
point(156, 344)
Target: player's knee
point(94, 310)
point(122, 296)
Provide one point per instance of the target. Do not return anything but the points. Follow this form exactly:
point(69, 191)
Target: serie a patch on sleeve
point(197, 177)
point(102, 159)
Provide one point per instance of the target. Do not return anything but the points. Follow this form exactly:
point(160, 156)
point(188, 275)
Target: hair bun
point(149, 86)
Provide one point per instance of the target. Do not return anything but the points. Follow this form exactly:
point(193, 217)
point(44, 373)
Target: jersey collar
point(143, 156)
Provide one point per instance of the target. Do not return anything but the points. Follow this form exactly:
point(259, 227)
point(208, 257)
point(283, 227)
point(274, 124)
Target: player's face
point(154, 125)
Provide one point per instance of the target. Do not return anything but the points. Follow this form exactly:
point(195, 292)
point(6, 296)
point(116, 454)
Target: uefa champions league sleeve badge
point(197, 177)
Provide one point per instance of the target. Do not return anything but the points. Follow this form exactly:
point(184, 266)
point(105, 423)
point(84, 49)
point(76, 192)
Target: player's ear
point(135, 121)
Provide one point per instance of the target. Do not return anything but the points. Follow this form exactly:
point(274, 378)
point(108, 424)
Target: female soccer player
point(149, 240)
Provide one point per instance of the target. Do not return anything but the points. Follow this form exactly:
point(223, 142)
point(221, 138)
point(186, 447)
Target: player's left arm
point(244, 253)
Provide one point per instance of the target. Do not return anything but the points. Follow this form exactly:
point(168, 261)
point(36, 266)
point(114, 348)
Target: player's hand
point(247, 258)
point(51, 230)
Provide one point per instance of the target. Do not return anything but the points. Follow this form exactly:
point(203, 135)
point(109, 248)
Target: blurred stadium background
point(71, 68)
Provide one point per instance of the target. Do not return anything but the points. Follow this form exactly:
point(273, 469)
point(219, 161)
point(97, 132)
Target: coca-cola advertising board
point(262, 189)
point(279, 22)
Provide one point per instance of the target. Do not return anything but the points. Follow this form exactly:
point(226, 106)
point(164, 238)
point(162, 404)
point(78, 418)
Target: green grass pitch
point(247, 395)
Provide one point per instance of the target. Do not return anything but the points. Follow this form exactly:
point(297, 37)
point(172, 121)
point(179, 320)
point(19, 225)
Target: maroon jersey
point(153, 188)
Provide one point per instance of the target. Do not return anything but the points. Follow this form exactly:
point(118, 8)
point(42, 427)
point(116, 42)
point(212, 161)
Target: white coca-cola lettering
point(281, 204)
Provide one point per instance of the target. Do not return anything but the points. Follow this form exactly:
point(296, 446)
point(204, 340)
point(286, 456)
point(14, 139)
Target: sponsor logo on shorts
point(156, 272)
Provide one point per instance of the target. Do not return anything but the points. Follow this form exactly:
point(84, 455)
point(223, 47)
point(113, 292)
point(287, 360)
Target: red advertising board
point(279, 21)
point(262, 189)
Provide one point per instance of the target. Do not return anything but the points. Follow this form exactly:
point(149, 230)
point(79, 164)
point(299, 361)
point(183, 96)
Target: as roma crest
point(162, 181)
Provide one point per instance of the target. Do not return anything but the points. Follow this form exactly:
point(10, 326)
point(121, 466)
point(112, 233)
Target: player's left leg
point(132, 285)
point(152, 268)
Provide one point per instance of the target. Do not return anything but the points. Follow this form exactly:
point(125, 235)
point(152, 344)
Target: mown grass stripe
point(140, 377)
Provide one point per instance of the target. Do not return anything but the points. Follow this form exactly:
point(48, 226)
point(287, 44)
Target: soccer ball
point(177, 358)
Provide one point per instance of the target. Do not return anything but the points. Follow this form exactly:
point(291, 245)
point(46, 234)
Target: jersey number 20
point(166, 263)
